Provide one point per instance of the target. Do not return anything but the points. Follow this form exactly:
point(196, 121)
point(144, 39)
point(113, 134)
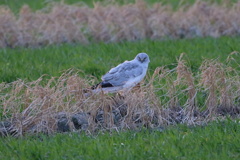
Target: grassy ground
point(15, 5)
point(218, 140)
point(97, 59)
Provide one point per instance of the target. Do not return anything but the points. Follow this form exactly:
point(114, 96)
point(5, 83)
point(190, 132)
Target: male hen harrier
point(124, 76)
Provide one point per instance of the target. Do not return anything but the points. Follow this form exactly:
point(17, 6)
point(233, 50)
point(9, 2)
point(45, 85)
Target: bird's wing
point(122, 73)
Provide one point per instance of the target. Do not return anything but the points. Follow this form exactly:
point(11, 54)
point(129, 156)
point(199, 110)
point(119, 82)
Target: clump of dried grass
point(61, 23)
point(166, 97)
point(185, 77)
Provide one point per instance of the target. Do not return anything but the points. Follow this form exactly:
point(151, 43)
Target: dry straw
point(167, 97)
point(61, 23)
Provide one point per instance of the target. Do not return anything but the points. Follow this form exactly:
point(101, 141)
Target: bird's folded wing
point(122, 73)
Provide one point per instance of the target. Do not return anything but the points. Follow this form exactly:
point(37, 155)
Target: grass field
point(97, 59)
point(216, 141)
point(15, 5)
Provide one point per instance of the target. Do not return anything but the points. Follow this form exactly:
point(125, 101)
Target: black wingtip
point(102, 85)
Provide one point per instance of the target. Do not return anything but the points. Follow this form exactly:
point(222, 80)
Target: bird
point(124, 76)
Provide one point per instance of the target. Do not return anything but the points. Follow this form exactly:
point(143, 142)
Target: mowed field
point(218, 139)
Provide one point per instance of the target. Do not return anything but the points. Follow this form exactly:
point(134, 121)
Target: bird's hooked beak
point(142, 59)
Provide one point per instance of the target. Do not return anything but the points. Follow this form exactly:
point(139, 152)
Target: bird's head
point(142, 58)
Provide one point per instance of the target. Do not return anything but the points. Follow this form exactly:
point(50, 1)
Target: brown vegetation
point(166, 97)
point(61, 23)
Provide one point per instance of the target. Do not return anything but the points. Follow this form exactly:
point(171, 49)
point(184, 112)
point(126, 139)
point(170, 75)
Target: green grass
point(216, 141)
point(15, 5)
point(97, 59)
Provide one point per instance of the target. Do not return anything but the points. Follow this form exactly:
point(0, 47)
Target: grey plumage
point(123, 72)
point(126, 75)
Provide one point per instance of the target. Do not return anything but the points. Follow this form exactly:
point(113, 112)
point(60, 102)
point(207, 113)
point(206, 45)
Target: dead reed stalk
point(216, 81)
point(61, 23)
point(166, 97)
point(185, 77)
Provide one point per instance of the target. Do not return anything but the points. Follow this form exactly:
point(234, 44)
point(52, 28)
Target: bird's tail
point(103, 87)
